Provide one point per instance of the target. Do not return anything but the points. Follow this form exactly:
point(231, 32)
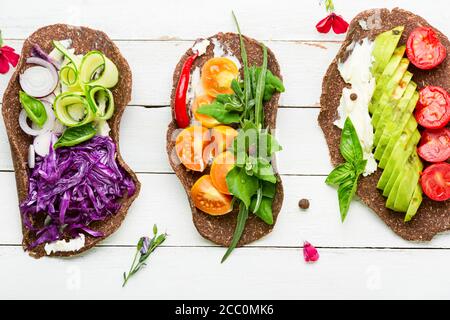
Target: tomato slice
point(208, 199)
point(435, 145)
point(433, 108)
point(424, 49)
point(205, 120)
point(435, 181)
point(217, 74)
point(222, 138)
point(220, 167)
point(189, 147)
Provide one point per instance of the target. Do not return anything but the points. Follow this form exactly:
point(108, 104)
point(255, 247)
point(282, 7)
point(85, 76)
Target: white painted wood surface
point(359, 259)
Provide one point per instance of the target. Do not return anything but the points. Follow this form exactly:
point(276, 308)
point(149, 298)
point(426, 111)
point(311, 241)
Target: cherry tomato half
point(435, 181)
point(220, 167)
point(433, 108)
point(435, 145)
point(205, 120)
point(424, 49)
point(217, 74)
point(189, 147)
point(221, 138)
point(208, 199)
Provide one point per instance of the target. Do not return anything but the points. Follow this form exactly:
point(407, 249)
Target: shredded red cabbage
point(72, 187)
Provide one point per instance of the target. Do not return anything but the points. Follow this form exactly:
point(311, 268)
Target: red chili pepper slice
point(181, 113)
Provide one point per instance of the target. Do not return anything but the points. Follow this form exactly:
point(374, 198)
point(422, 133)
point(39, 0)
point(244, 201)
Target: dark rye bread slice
point(83, 40)
point(220, 229)
point(433, 217)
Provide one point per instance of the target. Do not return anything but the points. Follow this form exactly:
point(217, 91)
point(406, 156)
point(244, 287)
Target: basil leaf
point(265, 209)
point(360, 166)
point(34, 108)
point(350, 146)
point(268, 189)
point(242, 185)
point(340, 174)
point(217, 111)
point(346, 191)
point(264, 171)
point(272, 84)
point(75, 135)
point(240, 226)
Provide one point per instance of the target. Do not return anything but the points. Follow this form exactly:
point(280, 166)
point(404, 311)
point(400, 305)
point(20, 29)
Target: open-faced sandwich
point(224, 105)
point(387, 90)
point(62, 112)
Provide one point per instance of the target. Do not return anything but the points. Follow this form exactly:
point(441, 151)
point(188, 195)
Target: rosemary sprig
point(144, 248)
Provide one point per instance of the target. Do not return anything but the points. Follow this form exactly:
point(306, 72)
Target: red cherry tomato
point(424, 49)
point(435, 145)
point(433, 108)
point(435, 181)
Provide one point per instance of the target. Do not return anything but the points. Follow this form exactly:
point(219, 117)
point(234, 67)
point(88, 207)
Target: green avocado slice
point(415, 203)
point(384, 46)
point(390, 90)
point(384, 134)
point(386, 75)
point(388, 109)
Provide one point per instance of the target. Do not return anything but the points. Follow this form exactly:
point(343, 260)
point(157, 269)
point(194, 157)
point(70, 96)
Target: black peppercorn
point(303, 204)
point(353, 96)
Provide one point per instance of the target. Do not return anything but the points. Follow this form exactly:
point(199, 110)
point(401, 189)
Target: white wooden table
point(359, 259)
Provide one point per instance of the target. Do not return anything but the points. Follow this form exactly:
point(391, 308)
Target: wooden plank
point(303, 65)
point(164, 202)
point(180, 19)
point(143, 141)
point(257, 273)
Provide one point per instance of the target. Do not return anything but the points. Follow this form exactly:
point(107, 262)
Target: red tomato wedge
point(433, 108)
point(435, 145)
point(435, 181)
point(424, 49)
point(208, 199)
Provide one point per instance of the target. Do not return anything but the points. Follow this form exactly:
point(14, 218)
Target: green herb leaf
point(242, 185)
point(141, 256)
point(217, 111)
point(360, 166)
point(75, 135)
point(34, 108)
point(263, 170)
point(265, 209)
point(268, 189)
point(340, 174)
point(259, 110)
point(272, 84)
point(240, 225)
point(346, 191)
point(350, 146)
point(1, 39)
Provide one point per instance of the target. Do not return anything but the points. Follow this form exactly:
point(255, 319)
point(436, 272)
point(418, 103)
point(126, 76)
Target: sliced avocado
point(383, 134)
point(390, 89)
point(414, 204)
point(409, 125)
point(387, 111)
point(386, 75)
point(400, 163)
point(384, 46)
point(409, 183)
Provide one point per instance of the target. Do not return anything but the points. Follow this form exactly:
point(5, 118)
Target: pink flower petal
point(339, 24)
point(10, 55)
point(324, 25)
point(4, 64)
point(310, 253)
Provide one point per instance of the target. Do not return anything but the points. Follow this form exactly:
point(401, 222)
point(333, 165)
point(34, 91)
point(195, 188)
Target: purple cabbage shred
point(72, 187)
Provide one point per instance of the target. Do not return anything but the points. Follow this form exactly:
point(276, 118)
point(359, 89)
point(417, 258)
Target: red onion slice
point(48, 125)
point(41, 80)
